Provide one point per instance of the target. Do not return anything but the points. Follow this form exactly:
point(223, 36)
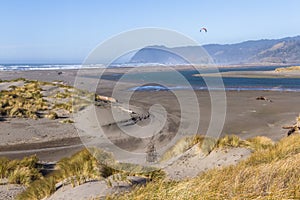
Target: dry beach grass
point(272, 171)
point(269, 173)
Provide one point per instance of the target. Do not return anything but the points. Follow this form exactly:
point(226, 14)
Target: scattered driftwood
point(263, 98)
point(294, 129)
point(288, 127)
point(104, 98)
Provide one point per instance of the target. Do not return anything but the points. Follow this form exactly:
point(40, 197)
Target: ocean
point(156, 81)
point(26, 67)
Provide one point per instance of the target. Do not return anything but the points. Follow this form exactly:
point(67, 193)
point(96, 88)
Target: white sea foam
point(24, 67)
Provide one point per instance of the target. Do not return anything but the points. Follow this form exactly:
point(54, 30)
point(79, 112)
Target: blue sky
point(60, 31)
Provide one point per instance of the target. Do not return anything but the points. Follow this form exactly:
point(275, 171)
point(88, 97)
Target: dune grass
point(75, 170)
point(287, 69)
point(181, 146)
point(207, 144)
point(23, 171)
point(28, 100)
point(67, 121)
point(84, 166)
point(79, 168)
point(271, 172)
point(22, 101)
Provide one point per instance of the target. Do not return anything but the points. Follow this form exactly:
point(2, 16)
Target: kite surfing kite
point(203, 29)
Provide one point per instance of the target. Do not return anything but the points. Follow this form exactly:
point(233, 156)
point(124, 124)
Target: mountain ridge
point(284, 50)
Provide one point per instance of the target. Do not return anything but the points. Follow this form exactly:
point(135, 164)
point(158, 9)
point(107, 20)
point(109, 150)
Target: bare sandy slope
point(86, 191)
point(96, 189)
point(193, 162)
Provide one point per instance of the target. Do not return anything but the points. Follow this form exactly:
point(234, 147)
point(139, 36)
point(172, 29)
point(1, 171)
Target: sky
point(66, 31)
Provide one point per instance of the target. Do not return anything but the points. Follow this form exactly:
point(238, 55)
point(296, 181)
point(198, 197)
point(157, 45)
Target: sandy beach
point(51, 140)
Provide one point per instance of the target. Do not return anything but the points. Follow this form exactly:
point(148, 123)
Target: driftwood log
point(263, 98)
point(294, 129)
point(104, 98)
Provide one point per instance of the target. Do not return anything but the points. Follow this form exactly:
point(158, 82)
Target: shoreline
point(144, 67)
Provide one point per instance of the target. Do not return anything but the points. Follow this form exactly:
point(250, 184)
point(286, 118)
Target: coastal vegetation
point(24, 98)
point(84, 166)
point(288, 69)
point(75, 170)
point(22, 101)
point(271, 172)
point(207, 144)
point(23, 171)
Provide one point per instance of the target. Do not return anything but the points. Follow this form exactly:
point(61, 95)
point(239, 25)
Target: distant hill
point(285, 50)
point(157, 54)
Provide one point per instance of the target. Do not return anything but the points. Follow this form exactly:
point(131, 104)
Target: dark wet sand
point(245, 116)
